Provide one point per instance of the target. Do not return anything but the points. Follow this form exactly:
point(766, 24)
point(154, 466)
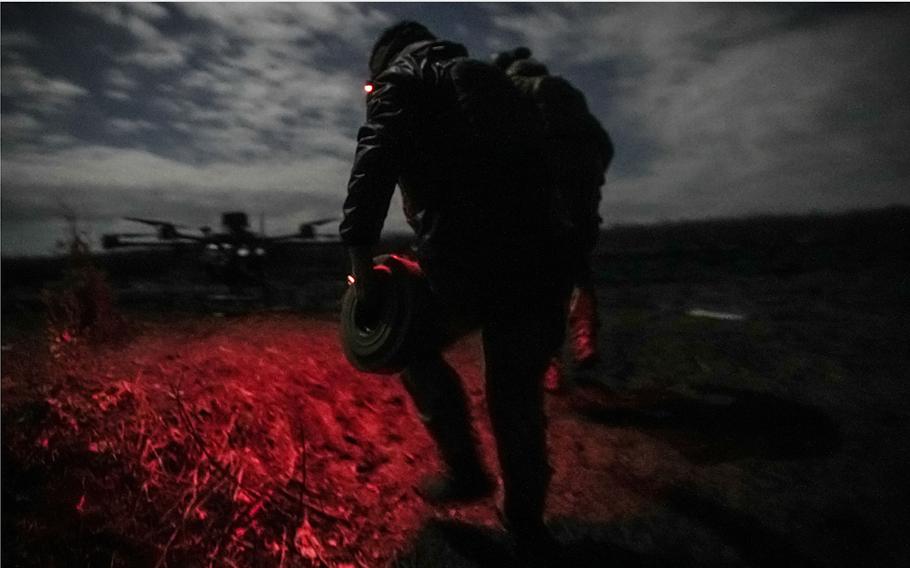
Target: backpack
point(503, 122)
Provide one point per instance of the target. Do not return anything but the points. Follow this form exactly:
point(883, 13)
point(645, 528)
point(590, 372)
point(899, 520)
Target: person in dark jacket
point(579, 152)
point(467, 151)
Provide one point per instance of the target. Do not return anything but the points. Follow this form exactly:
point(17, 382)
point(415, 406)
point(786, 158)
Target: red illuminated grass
point(234, 440)
point(237, 442)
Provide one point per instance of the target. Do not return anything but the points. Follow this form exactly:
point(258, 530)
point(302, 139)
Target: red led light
point(350, 279)
point(368, 88)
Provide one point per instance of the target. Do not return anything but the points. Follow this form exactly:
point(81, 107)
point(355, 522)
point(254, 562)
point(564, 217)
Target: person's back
point(467, 150)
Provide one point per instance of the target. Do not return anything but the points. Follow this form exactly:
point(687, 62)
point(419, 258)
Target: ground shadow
point(685, 529)
point(453, 544)
point(39, 507)
point(760, 545)
point(719, 424)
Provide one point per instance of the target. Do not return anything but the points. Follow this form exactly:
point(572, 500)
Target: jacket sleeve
point(377, 162)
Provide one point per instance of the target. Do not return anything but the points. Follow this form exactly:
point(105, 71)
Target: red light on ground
point(368, 88)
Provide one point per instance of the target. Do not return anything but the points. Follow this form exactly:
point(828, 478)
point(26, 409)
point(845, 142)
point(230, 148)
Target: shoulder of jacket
point(555, 84)
point(414, 60)
point(559, 91)
point(442, 49)
point(432, 51)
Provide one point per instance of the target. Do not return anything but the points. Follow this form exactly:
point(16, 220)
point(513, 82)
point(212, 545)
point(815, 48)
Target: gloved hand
point(367, 287)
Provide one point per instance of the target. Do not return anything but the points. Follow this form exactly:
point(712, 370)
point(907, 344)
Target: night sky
point(182, 111)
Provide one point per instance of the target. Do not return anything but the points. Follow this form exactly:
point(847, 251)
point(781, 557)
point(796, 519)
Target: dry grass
point(193, 446)
point(199, 441)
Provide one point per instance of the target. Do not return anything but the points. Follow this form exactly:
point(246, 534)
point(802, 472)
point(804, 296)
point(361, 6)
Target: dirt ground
point(777, 435)
point(778, 439)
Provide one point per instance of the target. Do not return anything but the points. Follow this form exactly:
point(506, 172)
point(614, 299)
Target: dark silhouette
point(723, 424)
point(468, 153)
point(579, 152)
point(234, 257)
point(450, 544)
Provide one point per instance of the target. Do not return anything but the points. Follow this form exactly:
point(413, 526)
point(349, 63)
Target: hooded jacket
point(467, 150)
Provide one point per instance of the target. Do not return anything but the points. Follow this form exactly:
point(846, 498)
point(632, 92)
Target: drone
point(235, 256)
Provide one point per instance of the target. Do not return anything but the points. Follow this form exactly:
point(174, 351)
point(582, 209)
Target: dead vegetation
point(215, 451)
point(79, 306)
point(174, 442)
point(200, 441)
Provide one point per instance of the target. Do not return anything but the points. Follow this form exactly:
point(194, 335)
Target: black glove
point(367, 285)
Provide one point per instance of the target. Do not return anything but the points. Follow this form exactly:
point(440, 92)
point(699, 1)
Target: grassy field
point(181, 437)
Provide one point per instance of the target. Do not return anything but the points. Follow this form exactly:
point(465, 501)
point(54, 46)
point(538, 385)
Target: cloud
point(150, 10)
point(37, 92)
point(138, 19)
point(39, 105)
point(735, 110)
point(136, 171)
point(117, 78)
point(17, 39)
point(212, 106)
point(128, 126)
point(187, 108)
point(284, 24)
point(102, 184)
point(152, 49)
point(241, 82)
point(21, 123)
point(105, 183)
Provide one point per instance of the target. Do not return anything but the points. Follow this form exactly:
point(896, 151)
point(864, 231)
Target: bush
point(80, 307)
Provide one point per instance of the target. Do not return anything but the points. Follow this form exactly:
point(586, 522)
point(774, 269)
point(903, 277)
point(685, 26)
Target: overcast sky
point(182, 111)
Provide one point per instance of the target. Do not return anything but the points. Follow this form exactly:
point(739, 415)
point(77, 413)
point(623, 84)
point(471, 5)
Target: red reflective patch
point(410, 263)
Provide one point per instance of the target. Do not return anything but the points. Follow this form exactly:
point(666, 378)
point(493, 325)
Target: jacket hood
point(393, 41)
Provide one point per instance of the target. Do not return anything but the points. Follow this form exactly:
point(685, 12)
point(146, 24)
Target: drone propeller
point(166, 231)
point(318, 222)
point(121, 240)
point(156, 223)
point(306, 231)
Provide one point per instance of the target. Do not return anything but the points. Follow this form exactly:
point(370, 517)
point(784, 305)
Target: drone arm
point(196, 238)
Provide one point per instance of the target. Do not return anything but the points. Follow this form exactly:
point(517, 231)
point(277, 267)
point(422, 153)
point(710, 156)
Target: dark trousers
point(521, 330)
